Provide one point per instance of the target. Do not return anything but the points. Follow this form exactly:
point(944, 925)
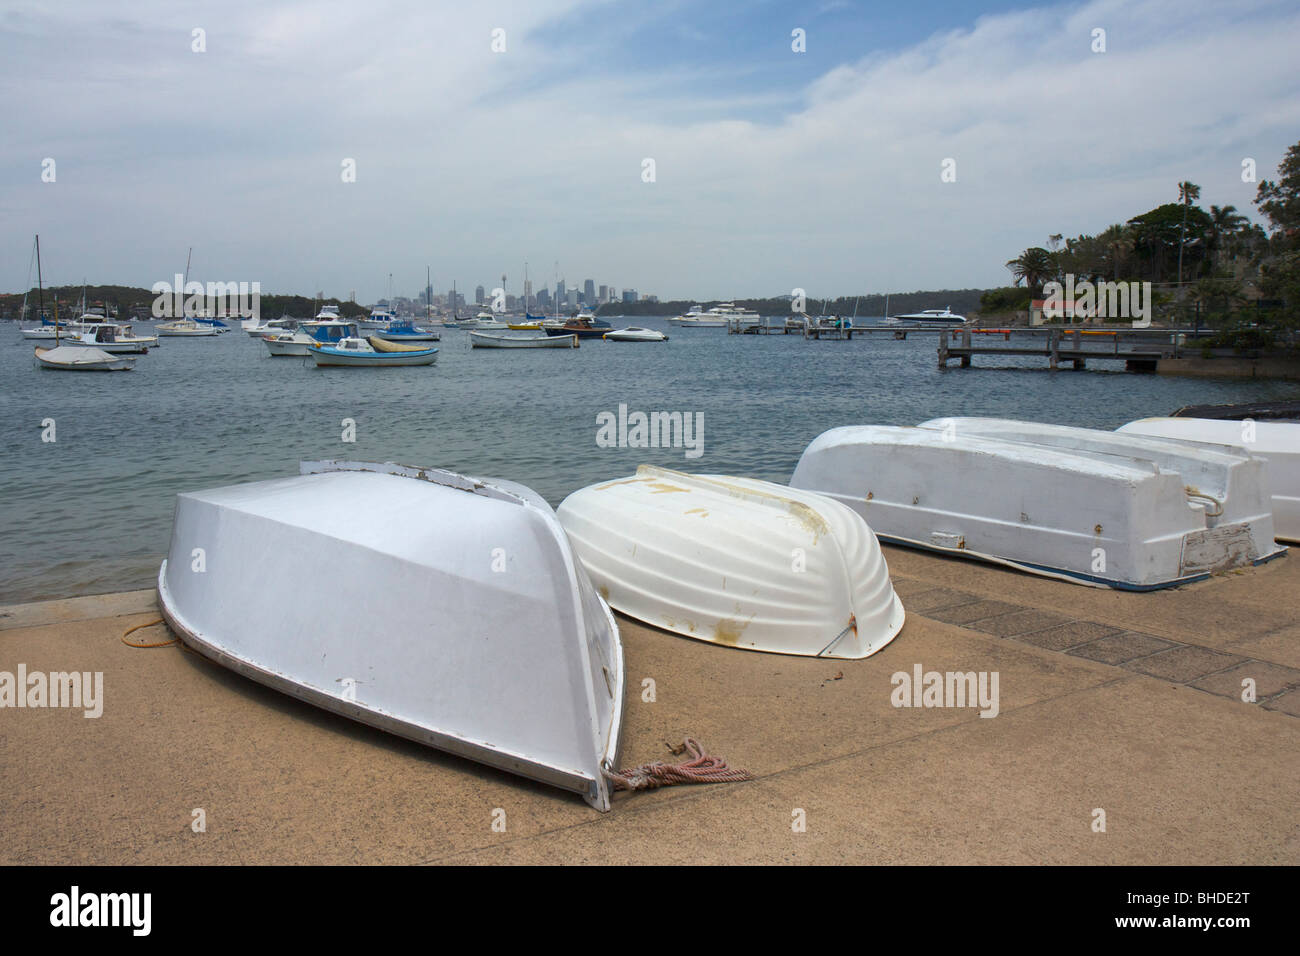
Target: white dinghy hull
point(1098, 519)
point(736, 562)
point(1276, 444)
point(1227, 486)
point(446, 609)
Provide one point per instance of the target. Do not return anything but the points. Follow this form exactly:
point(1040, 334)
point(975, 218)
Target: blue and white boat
point(371, 353)
point(405, 330)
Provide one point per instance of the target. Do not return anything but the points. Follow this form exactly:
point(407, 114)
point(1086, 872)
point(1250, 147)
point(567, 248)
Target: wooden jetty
point(1139, 349)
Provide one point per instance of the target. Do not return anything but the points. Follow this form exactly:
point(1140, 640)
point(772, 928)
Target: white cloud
point(474, 161)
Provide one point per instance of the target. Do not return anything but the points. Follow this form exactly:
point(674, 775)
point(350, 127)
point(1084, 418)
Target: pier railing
point(1139, 349)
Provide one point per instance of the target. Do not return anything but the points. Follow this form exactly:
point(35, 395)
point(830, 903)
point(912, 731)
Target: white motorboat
point(446, 609)
point(1082, 515)
point(483, 340)
point(294, 344)
point(944, 316)
point(370, 353)
point(1276, 444)
point(488, 322)
point(186, 328)
point(736, 562)
point(634, 333)
point(378, 319)
point(110, 337)
point(81, 358)
point(273, 327)
point(719, 316)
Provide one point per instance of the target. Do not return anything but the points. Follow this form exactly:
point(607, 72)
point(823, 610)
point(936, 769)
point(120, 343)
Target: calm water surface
point(91, 512)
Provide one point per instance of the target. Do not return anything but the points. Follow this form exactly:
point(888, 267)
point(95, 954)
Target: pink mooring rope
point(700, 768)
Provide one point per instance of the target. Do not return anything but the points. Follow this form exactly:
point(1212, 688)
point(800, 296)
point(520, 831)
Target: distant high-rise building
point(560, 295)
point(573, 298)
point(478, 295)
point(629, 295)
point(544, 299)
point(589, 291)
point(603, 295)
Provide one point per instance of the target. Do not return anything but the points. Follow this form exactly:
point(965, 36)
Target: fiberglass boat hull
point(446, 609)
point(1104, 520)
point(1276, 444)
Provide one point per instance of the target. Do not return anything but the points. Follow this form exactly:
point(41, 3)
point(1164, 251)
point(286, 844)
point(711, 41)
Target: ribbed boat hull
point(735, 562)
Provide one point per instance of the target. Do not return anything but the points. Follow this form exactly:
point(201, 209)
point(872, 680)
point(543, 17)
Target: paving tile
point(1288, 703)
point(1064, 636)
point(936, 598)
point(1121, 647)
point(1184, 664)
point(906, 587)
point(1019, 622)
point(978, 611)
point(1270, 679)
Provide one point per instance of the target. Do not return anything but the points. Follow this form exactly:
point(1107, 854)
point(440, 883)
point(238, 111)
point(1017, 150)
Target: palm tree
point(1119, 243)
point(1188, 193)
point(1032, 267)
point(1225, 223)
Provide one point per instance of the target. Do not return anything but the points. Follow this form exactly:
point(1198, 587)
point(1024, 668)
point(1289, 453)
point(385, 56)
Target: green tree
point(1032, 267)
point(1279, 201)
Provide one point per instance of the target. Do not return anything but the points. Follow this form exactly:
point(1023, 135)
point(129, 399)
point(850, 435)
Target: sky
point(772, 169)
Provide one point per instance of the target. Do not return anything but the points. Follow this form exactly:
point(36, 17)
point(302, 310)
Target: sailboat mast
point(40, 287)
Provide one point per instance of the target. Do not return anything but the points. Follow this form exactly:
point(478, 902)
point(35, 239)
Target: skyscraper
point(478, 295)
point(589, 292)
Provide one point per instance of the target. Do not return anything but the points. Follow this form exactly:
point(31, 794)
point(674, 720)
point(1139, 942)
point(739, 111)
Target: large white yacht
point(937, 316)
point(717, 317)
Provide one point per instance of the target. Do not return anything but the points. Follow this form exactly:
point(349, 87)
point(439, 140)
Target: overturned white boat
point(1276, 444)
point(447, 609)
point(736, 562)
point(1056, 503)
point(1226, 485)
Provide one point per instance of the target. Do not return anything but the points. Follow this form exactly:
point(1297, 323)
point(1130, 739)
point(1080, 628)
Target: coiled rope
point(138, 627)
point(700, 768)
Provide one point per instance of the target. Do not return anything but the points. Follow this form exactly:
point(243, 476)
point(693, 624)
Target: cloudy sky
point(772, 168)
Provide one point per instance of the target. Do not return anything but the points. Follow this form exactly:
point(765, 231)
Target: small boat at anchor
point(446, 609)
point(405, 330)
point(371, 353)
point(634, 333)
point(735, 562)
point(1276, 444)
point(82, 358)
point(110, 337)
point(1070, 507)
point(485, 340)
point(186, 328)
point(581, 326)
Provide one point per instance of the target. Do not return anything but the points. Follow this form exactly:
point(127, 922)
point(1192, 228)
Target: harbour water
point(91, 510)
